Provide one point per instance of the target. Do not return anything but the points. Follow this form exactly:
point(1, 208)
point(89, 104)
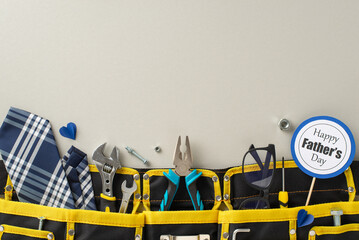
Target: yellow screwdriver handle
point(283, 199)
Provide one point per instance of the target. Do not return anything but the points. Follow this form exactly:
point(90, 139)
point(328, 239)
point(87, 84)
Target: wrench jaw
point(107, 167)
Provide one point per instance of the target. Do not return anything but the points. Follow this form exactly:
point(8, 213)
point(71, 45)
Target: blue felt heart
point(69, 131)
point(304, 219)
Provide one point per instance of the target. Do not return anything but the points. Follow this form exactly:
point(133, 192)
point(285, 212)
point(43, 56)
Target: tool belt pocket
point(268, 224)
point(155, 185)
point(22, 220)
point(264, 224)
point(297, 184)
point(8, 232)
point(130, 175)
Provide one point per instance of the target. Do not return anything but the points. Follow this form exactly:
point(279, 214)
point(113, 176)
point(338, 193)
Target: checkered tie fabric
point(31, 157)
point(78, 174)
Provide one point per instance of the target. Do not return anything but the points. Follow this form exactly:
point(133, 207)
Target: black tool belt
point(222, 192)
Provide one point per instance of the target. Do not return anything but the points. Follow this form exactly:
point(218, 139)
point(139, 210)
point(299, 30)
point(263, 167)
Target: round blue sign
point(323, 147)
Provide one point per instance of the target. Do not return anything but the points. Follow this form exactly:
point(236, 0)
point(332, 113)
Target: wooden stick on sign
point(310, 191)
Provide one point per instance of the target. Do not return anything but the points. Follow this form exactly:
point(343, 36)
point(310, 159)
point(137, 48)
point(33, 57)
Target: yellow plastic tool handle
point(283, 199)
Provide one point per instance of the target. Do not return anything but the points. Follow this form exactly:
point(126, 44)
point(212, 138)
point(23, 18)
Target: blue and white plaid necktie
point(78, 174)
point(32, 160)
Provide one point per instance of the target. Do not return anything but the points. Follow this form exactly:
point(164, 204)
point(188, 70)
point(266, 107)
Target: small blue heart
point(304, 219)
point(69, 131)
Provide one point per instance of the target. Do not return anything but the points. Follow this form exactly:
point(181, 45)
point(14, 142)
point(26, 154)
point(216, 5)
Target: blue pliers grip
point(192, 189)
point(173, 184)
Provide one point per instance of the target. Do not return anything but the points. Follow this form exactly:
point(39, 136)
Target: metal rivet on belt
point(350, 189)
point(226, 196)
point(138, 196)
point(312, 233)
point(1, 228)
point(138, 237)
point(214, 178)
point(218, 198)
point(292, 231)
point(226, 178)
point(226, 235)
point(8, 188)
point(136, 177)
point(145, 176)
point(146, 197)
point(50, 236)
point(71, 232)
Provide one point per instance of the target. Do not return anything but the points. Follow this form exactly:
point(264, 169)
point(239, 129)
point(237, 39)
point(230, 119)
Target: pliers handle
point(173, 184)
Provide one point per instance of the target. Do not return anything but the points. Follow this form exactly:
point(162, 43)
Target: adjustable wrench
point(107, 167)
point(126, 195)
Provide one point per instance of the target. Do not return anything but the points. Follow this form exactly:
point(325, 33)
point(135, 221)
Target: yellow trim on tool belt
point(285, 214)
point(25, 232)
point(159, 173)
point(181, 217)
point(72, 215)
point(324, 230)
point(292, 227)
point(122, 170)
point(8, 194)
point(138, 233)
point(350, 183)
point(70, 226)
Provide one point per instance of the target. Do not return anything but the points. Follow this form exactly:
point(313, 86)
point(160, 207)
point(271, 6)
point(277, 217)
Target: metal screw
point(284, 124)
point(226, 197)
point(226, 178)
point(50, 236)
point(41, 222)
point(218, 198)
point(138, 196)
point(226, 235)
point(336, 213)
point(1, 228)
point(136, 176)
point(146, 197)
point(71, 232)
point(138, 237)
point(158, 149)
point(130, 150)
point(8, 188)
point(145, 176)
point(292, 231)
point(214, 178)
point(312, 233)
point(350, 189)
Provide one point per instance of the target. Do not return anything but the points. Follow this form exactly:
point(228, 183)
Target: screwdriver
point(283, 195)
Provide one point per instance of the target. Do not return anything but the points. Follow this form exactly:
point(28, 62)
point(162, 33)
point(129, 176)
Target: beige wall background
point(140, 73)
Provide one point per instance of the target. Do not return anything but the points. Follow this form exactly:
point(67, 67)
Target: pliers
point(182, 168)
